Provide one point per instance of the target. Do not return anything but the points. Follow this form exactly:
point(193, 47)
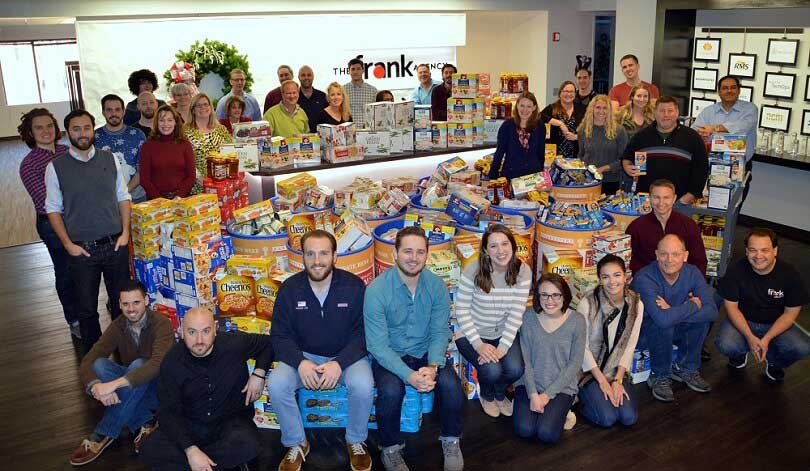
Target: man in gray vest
point(88, 206)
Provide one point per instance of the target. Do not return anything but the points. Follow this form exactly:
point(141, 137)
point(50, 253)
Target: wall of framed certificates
point(773, 68)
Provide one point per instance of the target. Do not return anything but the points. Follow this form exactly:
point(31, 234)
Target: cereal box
point(253, 211)
point(279, 152)
point(338, 154)
point(198, 237)
point(266, 293)
point(380, 115)
point(463, 206)
point(366, 198)
point(351, 231)
point(484, 84)
point(248, 325)
point(196, 223)
point(375, 142)
point(250, 265)
point(459, 135)
point(422, 117)
point(464, 86)
point(521, 186)
point(309, 152)
point(295, 186)
point(466, 248)
point(149, 252)
point(235, 295)
point(403, 114)
point(611, 241)
point(453, 165)
point(157, 209)
point(407, 139)
point(625, 255)
point(297, 226)
point(550, 153)
point(196, 205)
point(319, 197)
point(251, 131)
point(460, 110)
point(393, 201)
point(491, 128)
point(423, 139)
point(202, 259)
point(191, 284)
point(641, 162)
point(445, 264)
point(248, 153)
point(728, 142)
point(406, 184)
point(466, 177)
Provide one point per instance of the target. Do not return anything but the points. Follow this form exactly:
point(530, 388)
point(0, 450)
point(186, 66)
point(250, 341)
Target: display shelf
point(800, 162)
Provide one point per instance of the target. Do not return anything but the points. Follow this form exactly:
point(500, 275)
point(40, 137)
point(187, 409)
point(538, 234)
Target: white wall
point(635, 34)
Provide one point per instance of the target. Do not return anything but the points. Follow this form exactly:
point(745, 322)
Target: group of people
point(607, 130)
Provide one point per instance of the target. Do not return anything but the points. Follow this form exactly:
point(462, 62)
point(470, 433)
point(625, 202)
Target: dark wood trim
point(782, 161)
point(799, 235)
point(371, 160)
point(754, 30)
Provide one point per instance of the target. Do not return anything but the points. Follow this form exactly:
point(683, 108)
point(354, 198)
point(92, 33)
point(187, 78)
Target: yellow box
point(291, 187)
point(249, 265)
point(196, 205)
point(196, 223)
point(152, 210)
point(253, 211)
point(198, 237)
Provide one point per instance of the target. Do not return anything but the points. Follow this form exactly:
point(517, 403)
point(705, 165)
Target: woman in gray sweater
point(552, 341)
point(602, 142)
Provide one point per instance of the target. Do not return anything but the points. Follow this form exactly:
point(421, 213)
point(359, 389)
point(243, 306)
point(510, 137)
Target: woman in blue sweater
point(521, 141)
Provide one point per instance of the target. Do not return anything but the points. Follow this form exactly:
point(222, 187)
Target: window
point(34, 71)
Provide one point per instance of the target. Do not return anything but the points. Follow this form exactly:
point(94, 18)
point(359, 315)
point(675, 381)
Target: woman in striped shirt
point(489, 308)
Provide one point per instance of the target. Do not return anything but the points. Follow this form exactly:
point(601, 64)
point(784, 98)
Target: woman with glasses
point(564, 116)
point(613, 315)
point(552, 342)
point(205, 135)
point(489, 308)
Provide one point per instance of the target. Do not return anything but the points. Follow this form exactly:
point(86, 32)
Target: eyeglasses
point(547, 296)
point(203, 104)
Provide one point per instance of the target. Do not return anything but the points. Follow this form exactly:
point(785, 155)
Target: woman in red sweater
point(167, 159)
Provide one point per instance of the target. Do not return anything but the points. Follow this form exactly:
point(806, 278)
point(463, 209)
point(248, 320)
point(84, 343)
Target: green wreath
point(213, 57)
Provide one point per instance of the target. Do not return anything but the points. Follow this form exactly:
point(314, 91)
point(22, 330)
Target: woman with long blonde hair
point(205, 134)
point(338, 111)
point(638, 112)
point(602, 142)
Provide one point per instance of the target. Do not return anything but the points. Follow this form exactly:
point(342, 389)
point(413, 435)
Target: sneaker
point(453, 461)
point(705, 354)
point(359, 457)
point(774, 374)
point(505, 407)
point(570, 420)
point(738, 363)
point(490, 407)
point(392, 458)
point(661, 389)
point(146, 429)
point(692, 380)
point(294, 458)
point(75, 331)
point(89, 451)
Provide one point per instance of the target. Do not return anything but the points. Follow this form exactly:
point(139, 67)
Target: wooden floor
point(742, 424)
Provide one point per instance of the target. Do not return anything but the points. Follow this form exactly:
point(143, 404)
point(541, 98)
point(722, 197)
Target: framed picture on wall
point(742, 65)
point(778, 85)
point(774, 117)
point(807, 88)
point(697, 105)
point(782, 51)
point(707, 49)
point(746, 93)
point(806, 122)
point(704, 79)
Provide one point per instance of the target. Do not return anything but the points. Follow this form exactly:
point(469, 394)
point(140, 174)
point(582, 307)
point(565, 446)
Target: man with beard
point(88, 207)
point(123, 141)
point(147, 105)
point(206, 398)
point(406, 311)
point(440, 93)
point(319, 342)
point(312, 100)
point(128, 390)
point(678, 308)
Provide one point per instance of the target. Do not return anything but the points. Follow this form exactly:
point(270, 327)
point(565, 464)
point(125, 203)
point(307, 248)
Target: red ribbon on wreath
point(183, 72)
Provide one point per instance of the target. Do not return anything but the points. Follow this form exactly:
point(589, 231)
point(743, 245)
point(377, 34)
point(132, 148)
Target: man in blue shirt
point(421, 94)
point(237, 82)
point(406, 312)
point(678, 308)
point(124, 142)
point(319, 342)
point(731, 116)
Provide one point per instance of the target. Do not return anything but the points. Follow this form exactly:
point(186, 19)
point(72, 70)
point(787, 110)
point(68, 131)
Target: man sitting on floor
point(206, 398)
point(679, 306)
point(128, 391)
point(763, 297)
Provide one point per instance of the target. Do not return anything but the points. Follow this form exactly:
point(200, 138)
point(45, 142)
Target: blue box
point(461, 210)
point(147, 272)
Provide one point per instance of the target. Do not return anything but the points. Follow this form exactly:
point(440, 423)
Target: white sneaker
point(570, 420)
point(490, 407)
point(505, 407)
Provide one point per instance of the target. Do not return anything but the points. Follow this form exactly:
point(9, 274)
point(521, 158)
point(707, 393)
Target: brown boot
point(294, 458)
point(145, 431)
point(89, 451)
point(359, 457)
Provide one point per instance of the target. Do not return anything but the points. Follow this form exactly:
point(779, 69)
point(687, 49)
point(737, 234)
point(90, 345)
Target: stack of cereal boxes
point(388, 129)
point(465, 115)
point(338, 143)
point(422, 128)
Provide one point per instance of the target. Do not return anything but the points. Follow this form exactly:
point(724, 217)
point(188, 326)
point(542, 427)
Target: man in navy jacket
point(319, 339)
point(678, 308)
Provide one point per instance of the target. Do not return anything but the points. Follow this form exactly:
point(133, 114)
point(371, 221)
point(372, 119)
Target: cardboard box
point(309, 152)
point(294, 187)
point(460, 135)
point(611, 241)
point(723, 142)
point(403, 114)
point(195, 205)
point(338, 154)
point(464, 86)
point(351, 231)
point(248, 153)
point(460, 110)
point(464, 206)
point(251, 131)
point(423, 139)
point(336, 135)
point(439, 134)
point(375, 142)
point(380, 116)
point(422, 117)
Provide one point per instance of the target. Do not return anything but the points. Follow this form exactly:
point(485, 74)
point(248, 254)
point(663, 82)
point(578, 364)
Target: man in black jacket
point(205, 412)
point(673, 152)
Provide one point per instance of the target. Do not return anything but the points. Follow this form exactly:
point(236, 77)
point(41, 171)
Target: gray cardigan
point(552, 360)
point(599, 150)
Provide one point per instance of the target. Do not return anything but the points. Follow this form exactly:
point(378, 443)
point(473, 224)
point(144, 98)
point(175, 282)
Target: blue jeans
point(137, 403)
point(284, 381)
point(547, 426)
point(59, 258)
point(600, 411)
point(391, 391)
point(784, 350)
point(493, 378)
point(86, 274)
point(687, 336)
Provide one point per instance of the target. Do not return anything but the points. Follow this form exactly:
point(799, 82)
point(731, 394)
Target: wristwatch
point(619, 379)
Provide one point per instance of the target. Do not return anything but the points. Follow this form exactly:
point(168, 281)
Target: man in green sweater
point(287, 118)
point(128, 391)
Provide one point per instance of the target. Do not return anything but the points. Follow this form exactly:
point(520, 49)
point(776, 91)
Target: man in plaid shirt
point(359, 92)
